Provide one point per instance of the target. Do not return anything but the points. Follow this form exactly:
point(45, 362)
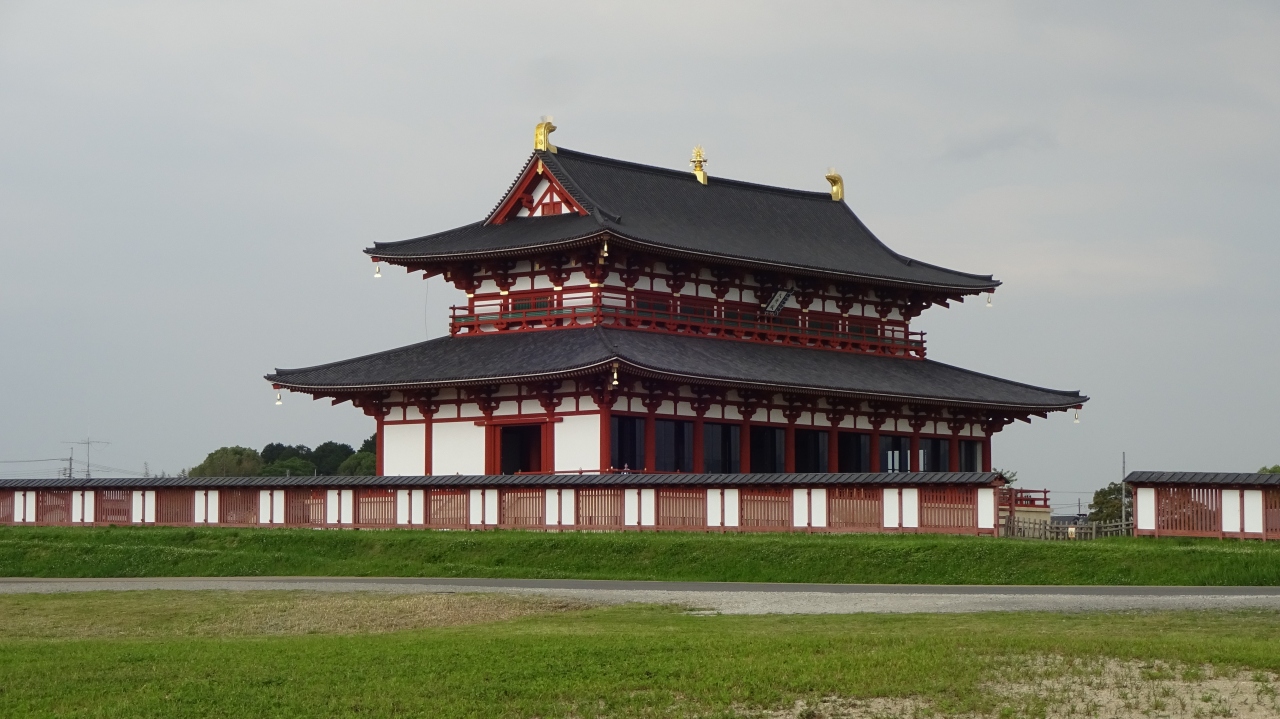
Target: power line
point(88, 445)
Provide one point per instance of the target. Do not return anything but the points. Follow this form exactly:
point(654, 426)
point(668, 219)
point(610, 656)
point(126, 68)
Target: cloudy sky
point(185, 190)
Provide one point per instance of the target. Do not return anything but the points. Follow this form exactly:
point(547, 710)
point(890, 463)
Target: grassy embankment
point(903, 559)
point(205, 654)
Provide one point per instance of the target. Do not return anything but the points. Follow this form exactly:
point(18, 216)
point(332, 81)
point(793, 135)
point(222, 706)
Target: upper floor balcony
point(687, 315)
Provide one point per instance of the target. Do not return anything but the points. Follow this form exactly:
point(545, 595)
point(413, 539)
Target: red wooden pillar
point(986, 453)
point(744, 446)
point(789, 451)
point(549, 445)
point(833, 449)
point(651, 440)
point(606, 435)
point(875, 446)
point(381, 445)
point(699, 463)
point(954, 446)
point(426, 461)
point(914, 462)
point(492, 449)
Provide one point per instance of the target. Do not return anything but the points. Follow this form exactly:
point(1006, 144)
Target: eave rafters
point(367, 396)
point(917, 297)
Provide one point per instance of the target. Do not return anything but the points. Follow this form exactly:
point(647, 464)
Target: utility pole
point(71, 463)
point(88, 446)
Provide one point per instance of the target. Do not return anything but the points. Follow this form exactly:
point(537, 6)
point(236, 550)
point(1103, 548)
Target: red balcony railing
point(708, 319)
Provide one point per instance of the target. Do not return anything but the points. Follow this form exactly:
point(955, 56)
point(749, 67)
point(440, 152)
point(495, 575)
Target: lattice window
point(305, 506)
point(238, 506)
point(600, 507)
point(765, 507)
point(53, 507)
point(523, 508)
point(855, 507)
point(113, 505)
point(1188, 510)
point(175, 506)
point(949, 507)
point(375, 506)
point(682, 507)
point(6, 505)
point(448, 508)
point(1271, 512)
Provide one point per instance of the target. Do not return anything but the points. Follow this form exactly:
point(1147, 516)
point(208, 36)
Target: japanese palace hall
point(625, 319)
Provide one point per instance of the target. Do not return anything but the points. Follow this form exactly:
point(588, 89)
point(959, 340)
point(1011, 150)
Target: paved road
point(726, 597)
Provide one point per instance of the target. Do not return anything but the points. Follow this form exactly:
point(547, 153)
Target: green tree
point(1010, 476)
point(360, 464)
point(1112, 503)
point(1274, 469)
point(291, 466)
point(275, 452)
point(229, 462)
point(370, 445)
point(329, 456)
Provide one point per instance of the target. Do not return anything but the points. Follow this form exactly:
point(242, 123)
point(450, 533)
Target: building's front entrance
point(520, 448)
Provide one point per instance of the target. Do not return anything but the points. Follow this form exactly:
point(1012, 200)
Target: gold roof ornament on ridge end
point(699, 159)
point(542, 135)
point(837, 184)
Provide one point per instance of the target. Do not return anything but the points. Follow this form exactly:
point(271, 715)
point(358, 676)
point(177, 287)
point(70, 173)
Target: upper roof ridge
point(822, 195)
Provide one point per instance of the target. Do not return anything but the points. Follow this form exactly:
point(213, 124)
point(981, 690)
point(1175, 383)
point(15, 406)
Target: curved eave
point(654, 373)
point(658, 247)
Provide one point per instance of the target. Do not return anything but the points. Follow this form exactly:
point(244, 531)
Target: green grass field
point(179, 654)
point(902, 559)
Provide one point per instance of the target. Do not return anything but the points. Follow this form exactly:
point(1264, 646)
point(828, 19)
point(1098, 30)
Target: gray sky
point(185, 190)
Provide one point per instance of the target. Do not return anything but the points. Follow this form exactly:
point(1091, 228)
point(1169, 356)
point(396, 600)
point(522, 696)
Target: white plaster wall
point(214, 504)
point(731, 507)
point(404, 448)
point(403, 505)
point(91, 510)
point(457, 448)
point(264, 506)
point(986, 508)
point(551, 513)
point(419, 513)
point(491, 506)
point(568, 508)
point(1253, 510)
point(818, 507)
point(1145, 508)
point(200, 499)
point(476, 506)
point(139, 506)
point(332, 507)
point(577, 442)
point(714, 498)
point(1231, 510)
point(890, 506)
point(800, 508)
point(648, 507)
point(910, 507)
point(277, 506)
point(631, 507)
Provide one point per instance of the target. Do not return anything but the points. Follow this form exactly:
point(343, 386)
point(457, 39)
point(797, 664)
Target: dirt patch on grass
point(1058, 688)
point(219, 613)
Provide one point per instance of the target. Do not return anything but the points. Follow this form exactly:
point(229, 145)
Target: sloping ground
point(675, 556)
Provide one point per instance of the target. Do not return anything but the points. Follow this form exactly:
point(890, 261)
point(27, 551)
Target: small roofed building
point(1206, 504)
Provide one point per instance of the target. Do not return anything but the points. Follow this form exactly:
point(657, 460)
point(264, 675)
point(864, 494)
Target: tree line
point(280, 460)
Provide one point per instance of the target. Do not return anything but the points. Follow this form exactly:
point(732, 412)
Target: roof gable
point(536, 193)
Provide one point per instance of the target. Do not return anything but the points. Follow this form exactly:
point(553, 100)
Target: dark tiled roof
point(726, 220)
point(1204, 478)
point(523, 480)
point(514, 356)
